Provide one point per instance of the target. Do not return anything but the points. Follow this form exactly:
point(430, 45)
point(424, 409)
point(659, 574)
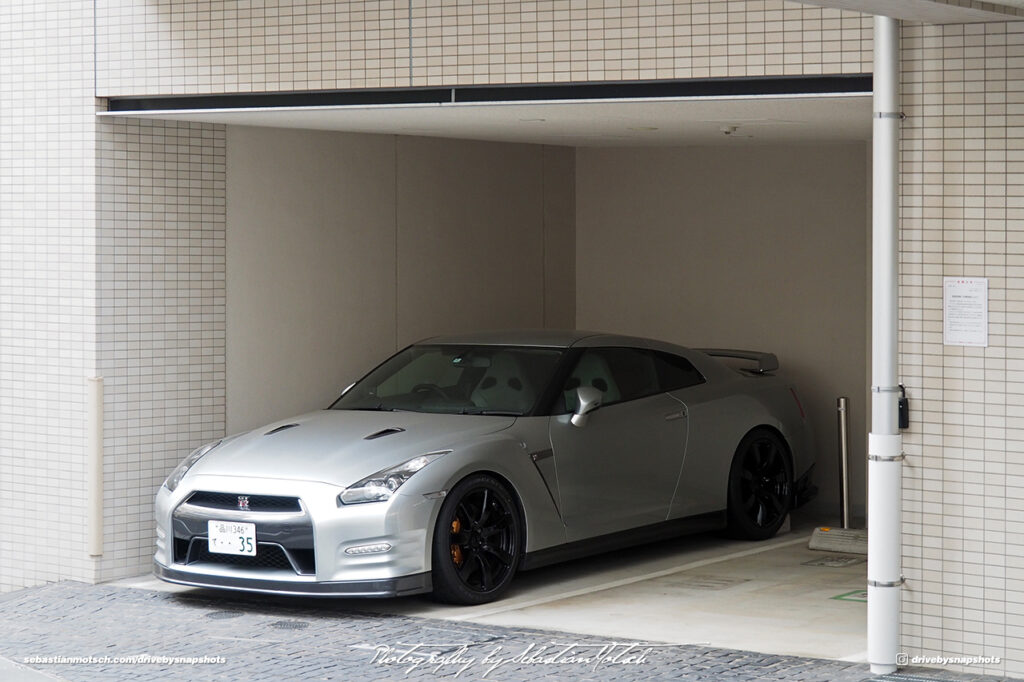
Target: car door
point(620, 469)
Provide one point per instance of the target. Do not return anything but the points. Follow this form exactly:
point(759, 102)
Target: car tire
point(478, 541)
point(760, 486)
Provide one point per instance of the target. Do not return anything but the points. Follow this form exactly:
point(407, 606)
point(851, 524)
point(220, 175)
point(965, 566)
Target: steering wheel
point(430, 388)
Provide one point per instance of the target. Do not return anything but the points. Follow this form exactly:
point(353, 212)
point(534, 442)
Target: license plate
point(231, 537)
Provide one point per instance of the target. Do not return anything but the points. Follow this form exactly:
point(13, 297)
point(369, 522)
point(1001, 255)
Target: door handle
point(672, 416)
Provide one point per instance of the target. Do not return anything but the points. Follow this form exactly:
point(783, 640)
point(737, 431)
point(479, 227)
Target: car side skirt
point(390, 587)
point(627, 538)
point(804, 490)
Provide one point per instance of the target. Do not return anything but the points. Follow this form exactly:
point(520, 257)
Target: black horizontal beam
point(537, 92)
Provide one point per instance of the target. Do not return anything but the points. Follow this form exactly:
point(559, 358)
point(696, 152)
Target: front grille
point(268, 556)
point(257, 503)
point(284, 541)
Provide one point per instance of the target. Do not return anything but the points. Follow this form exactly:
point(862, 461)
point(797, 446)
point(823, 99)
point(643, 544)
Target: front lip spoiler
point(388, 587)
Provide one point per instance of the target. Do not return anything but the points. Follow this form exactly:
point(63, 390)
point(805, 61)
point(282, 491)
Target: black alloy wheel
point(760, 486)
point(477, 542)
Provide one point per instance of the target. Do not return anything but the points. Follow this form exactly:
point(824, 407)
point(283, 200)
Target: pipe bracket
point(885, 389)
point(877, 458)
point(890, 114)
point(884, 583)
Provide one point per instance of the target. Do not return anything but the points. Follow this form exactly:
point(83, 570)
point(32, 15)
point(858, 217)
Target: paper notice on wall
point(965, 311)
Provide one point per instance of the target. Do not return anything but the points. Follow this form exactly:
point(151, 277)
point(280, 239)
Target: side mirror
point(588, 399)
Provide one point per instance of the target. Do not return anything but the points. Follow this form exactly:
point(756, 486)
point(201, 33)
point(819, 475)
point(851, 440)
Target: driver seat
point(592, 370)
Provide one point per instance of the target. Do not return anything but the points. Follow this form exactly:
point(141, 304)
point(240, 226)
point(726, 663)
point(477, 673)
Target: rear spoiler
point(766, 362)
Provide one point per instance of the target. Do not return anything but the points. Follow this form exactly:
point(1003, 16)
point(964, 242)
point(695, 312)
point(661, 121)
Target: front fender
point(505, 454)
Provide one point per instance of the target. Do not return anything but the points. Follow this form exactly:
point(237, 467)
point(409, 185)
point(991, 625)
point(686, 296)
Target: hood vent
point(279, 428)
point(384, 432)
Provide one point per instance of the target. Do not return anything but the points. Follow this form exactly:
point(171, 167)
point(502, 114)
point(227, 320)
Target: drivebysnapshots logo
point(903, 658)
point(480, 661)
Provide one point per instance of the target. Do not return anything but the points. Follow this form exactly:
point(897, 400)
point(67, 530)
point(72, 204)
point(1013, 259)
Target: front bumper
point(300, 550)
point(392, 587)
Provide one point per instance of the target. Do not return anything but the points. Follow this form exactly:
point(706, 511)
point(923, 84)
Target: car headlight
point(382, 485)
point(179, 471)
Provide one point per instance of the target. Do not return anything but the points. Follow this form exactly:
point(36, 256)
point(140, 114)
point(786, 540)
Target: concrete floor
point(702, 589)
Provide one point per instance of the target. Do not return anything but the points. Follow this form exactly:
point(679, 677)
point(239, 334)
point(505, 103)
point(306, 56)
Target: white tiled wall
point(222, 46)
point(160, 323)
point(513, 42)
point(111, 264)
point(963, 214)
point(1001, 7)
point(229, 46)
point(47, 286)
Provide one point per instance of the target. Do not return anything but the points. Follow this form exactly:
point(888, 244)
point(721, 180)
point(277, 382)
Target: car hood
point(332, 446)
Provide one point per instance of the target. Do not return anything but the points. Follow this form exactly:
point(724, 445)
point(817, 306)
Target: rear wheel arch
point(781, 436)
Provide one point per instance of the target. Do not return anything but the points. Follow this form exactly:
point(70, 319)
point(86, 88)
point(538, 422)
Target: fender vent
point(279, 428)
point(384, 432)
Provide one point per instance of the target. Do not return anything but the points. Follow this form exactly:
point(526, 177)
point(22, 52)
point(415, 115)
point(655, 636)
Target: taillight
point(797, 399)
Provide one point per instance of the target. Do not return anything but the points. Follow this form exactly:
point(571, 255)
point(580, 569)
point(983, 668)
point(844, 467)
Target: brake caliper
point(456, 550)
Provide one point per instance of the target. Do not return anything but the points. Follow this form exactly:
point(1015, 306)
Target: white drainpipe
point(885, 445)
point(94, 467)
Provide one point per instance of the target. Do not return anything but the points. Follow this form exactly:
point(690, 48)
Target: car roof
point(550, 338)
point(568, 338)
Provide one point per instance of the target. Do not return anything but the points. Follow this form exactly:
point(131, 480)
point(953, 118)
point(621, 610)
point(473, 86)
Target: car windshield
point(452, 379)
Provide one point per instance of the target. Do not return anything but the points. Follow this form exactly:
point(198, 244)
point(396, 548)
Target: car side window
point(621, 374)
point(675, 373)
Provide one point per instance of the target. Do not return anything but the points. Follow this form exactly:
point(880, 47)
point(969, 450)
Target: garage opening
point(727, 218)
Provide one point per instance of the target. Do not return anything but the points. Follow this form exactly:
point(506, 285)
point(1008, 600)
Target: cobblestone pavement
point(264, 638)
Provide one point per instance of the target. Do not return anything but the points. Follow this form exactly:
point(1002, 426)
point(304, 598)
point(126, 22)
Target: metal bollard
point(844, 455)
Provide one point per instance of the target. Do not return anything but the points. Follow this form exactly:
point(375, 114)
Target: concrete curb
point(11, 671)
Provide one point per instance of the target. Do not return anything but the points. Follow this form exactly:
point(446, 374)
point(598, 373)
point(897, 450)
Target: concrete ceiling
point(932, 11)
point(605, 123)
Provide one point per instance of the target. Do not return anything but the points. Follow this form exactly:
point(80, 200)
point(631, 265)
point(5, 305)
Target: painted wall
point(343, 248)
point(743, 247)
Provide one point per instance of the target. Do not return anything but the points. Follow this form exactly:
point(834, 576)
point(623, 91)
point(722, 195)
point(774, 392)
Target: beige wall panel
point(470, 236)
point(757, 247)
point(560, 237)
point(311, 269)
point(342, 248)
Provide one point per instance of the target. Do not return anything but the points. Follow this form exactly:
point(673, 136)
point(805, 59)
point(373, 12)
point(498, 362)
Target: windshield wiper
point(373, 408)
point(491, 413)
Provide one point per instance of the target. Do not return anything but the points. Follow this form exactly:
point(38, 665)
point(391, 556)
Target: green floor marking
point(856, 595)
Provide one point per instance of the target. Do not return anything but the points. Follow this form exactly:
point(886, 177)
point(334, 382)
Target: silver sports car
point(462, 460)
